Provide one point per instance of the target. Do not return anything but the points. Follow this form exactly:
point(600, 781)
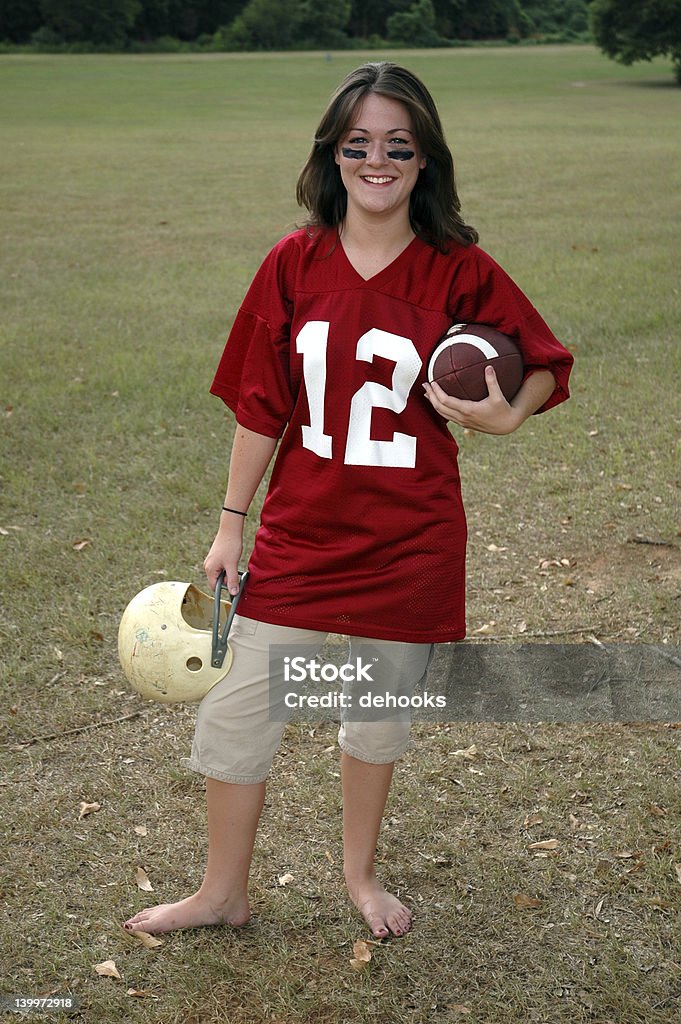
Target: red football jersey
point(363, 528)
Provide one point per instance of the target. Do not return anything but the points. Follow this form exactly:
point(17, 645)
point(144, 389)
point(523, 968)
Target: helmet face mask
point(165, 642)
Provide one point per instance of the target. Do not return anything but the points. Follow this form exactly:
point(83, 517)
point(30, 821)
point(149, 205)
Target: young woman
point(363, 529)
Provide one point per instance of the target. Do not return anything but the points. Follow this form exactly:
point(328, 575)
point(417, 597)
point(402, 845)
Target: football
point(459, 359)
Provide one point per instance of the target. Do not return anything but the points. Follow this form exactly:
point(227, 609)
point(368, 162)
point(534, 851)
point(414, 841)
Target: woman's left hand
point(492, 415)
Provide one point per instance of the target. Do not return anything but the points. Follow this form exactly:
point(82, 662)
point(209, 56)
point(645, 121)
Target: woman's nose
point(376, 153)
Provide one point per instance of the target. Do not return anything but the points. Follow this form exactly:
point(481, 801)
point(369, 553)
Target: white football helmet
point(169, 641)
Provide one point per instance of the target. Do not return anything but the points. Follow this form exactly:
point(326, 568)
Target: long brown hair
point(434, 206)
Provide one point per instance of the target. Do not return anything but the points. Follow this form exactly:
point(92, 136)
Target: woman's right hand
point(225, 553)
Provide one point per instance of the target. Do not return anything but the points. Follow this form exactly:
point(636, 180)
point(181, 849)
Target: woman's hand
point(225, 553)
point(494, 415)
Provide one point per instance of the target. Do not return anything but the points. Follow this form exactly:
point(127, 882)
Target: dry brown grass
point(587, 931)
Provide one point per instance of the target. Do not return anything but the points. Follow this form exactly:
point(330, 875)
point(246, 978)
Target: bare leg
point(365, 791)
point(233, 816)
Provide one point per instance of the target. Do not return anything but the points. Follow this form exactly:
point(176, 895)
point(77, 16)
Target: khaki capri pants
point(236, 737)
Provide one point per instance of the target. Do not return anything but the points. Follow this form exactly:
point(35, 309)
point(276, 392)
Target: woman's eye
point(357, 140)
point(398, 142)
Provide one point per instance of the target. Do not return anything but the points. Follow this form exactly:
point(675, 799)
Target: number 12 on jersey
point(361, 449)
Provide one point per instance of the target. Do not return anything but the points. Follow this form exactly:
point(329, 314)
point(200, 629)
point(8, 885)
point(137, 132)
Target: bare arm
point(494, 415)
point(251, 454)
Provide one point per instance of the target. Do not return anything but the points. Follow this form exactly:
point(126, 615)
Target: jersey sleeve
point(487, 295)
point(253, 376)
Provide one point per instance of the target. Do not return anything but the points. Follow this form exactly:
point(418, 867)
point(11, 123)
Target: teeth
point(377, 181)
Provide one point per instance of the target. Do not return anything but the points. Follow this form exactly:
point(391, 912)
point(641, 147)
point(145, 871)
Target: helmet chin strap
point(219, 648)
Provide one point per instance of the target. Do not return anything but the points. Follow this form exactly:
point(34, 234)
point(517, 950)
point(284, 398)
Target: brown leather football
point(459, 359)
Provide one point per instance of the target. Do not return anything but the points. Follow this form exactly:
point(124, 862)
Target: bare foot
point(192, 912)
point(382, 911)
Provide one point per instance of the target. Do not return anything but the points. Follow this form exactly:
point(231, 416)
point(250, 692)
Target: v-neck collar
point(388, 272)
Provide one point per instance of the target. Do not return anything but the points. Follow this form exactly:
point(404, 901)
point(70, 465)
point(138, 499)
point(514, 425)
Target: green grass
point(139, 195)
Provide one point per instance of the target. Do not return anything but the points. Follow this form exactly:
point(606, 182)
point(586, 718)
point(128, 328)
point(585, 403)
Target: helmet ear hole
point(194, 664)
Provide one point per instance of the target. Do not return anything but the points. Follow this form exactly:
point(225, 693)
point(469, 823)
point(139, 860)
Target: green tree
point(632, 30)
point(106, 22)
point(564, 18)
point(487, 19)
point(415, 26)
point(263, 25)
point(323, 22)
point(19, 19)
point(369, 17)
point(285, 24)
point(182, 19)
point(156, 18)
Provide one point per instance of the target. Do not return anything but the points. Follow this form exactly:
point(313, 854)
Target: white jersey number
point(311, 344)
point(361, 449)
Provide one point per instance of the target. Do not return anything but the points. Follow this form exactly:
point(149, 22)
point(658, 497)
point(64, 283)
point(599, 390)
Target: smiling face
point(379, 158)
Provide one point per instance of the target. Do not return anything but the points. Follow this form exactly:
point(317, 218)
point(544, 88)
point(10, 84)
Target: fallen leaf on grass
point(141, 830)
point(550, 563)
point(362, 954)
point(145, 939)
point(598, 908)
point(285, 879)
point(142, 879)
point(138, 993)
point(533, 819)
point(107, 969)
point(638, 866)
point(468, 754)
point(460, 1008)
point(524, 902)
point(545, 844)
point(677, 869)
point(81, 543)
point(86, 809)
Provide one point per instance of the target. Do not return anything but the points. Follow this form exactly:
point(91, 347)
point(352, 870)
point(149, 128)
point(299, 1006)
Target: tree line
point(626, 30)
point(286, 24)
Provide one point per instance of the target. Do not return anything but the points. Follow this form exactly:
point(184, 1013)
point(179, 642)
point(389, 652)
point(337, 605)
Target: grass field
point(138, 196)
